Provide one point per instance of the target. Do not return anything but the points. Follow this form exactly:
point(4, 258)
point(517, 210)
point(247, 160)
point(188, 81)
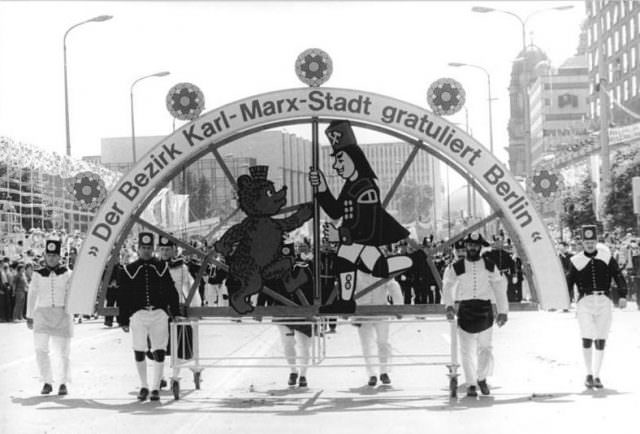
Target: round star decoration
point(51, 247)
point(445, 96)
point(185, 101)
point(146, 239)
point(546, 184)
point(88, 190)
point(314, 67)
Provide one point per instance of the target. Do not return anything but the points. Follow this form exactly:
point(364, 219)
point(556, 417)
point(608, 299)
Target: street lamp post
point(525, 93)
point(458, 64)
point(66, 86)
point(133, 130)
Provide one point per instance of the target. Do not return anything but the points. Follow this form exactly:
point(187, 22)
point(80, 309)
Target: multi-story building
point(558, 100)
point(33, 189)
point(613, 38)
point(386, 160)
point(287, 155)
point(524, 72)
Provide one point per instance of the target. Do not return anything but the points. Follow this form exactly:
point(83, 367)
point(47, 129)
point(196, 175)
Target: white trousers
point(289, 340)
point(62, 346)
point(594, 316)
point(366, 332)
point(476, 354)
point(151, 323)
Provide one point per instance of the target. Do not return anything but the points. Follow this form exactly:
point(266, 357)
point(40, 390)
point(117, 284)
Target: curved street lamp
point(97, 19)
point(459, 64)
point(133, 130)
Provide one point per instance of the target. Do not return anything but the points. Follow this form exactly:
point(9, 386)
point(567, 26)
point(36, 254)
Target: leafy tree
point(414, 202)
point(619, 203)
point(201, 200)
point(578, 205)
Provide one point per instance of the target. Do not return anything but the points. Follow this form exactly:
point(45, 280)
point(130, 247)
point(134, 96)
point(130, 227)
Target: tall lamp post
point(459, 64)
point(97, 19)
point(525, 93)
point(133, 130)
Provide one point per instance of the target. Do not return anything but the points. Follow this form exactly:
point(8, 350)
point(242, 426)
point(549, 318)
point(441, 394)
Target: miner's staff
point(315, 162)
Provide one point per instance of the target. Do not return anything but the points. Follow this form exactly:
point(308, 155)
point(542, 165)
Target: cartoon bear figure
point(253, 247)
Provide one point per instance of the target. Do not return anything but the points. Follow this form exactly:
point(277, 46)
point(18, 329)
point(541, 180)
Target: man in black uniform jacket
point(148, 297)
point(591, 271)
point(505, 264)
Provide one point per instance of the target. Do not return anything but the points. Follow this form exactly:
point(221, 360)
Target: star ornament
point(314, 67)
point(545, 183)
point(87, 189)
point(185, 101)
point(445, 96)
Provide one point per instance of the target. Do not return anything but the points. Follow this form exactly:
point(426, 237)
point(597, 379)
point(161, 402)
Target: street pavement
point(537, 384)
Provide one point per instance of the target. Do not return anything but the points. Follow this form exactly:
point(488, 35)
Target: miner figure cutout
point(365, 224)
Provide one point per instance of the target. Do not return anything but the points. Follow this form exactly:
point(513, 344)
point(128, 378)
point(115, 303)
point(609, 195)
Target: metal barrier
point(181, 344)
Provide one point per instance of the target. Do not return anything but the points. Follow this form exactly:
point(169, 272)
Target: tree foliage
point(200, 202)
point(619, 203)
point(578, 203)
point(415, 202)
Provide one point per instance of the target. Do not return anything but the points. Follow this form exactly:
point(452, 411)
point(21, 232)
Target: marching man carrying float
point(472, 284)
point(591, 271)
point(365, 223)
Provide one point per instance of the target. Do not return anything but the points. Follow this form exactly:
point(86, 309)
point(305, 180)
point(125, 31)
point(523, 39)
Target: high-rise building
point(613, 37)
point(287, 155)
point(558, 101)
point(524, 72)
point(386, 160)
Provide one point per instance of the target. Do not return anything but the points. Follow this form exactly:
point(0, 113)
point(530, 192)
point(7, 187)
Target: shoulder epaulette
point(489, 264)
point(458, 267)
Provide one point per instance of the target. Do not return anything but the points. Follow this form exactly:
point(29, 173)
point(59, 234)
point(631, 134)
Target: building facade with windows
point(559, 105)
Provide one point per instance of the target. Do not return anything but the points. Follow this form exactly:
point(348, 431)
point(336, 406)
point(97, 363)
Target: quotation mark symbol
point(93, 251)
point(536, 236)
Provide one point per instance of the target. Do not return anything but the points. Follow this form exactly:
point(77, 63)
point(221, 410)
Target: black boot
point(143, 394)
point(597, 383)
point(62, 390)
point(484, 387)
point(302, 382)
point(155, 395)
point(385, 378)
point(588, 382)
point(293, 379)
point(373, 380)
point(472, 392)
point(46, 389)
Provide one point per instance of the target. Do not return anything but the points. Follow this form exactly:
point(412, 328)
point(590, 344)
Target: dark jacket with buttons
point(594, 271)
point(147, 283)
point(364, 220)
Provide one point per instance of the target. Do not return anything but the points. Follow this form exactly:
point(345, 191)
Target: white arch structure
point(420, 127)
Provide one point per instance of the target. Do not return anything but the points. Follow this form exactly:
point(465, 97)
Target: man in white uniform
point(470, 286)
point(46, 316)
point(374, 331)
point(591, 271)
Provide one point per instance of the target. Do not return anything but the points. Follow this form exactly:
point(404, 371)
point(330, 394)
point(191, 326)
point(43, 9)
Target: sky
point(232, 50)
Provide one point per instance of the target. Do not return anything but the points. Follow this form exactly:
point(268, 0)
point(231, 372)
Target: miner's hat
point(259, 172)
point(459, 245)
point(340, 135)
point(475, 237)
point(165, 242)
point(145, 239)
point(52, 247)
point(589, 232)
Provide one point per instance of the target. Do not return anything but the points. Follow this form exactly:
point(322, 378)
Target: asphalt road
point(537, 384)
